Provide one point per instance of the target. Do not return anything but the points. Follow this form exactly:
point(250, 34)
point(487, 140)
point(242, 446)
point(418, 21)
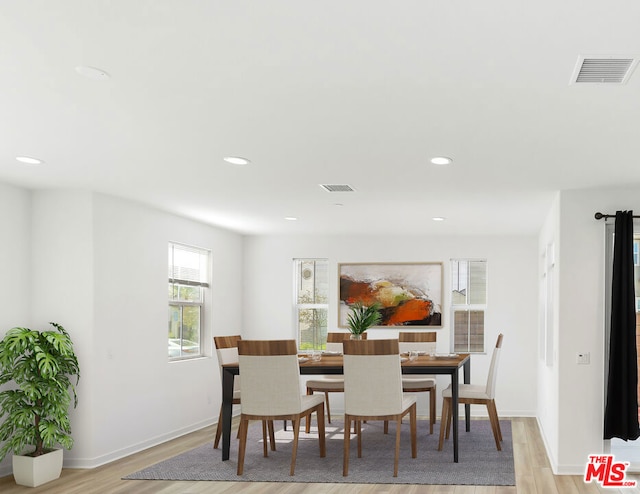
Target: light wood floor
point(533, 475)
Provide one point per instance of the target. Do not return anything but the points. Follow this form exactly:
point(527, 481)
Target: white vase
point(38, 470)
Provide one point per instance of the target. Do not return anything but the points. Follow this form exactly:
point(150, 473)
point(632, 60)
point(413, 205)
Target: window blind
point(188, 265)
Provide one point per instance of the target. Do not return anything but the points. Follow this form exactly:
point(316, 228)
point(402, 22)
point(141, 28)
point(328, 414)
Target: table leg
point(467, 407)
point(227, 408)
point(454, 408)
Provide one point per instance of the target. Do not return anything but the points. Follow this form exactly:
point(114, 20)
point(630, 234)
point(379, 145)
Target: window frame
point(203, 285)
point(469, 307)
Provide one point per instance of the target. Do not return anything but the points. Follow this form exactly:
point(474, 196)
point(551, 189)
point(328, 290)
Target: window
point(188, 280)
point(468, 304)
point(311, 302)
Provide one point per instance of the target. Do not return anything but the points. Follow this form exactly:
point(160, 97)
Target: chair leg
point(321, 432)
point(447, 429)
point(386, 427)
point(395, 461)
point(264, 439)
point(495, 425)
point(326, 399)
point(295, 423)
point(216, 441)
point(272, 435)
point(359, 435)
point(432, 409)
point(413, 423)
point(493, 404)
point(242, 447)
point(307, 427)
point(346, 443)
point(443, 421)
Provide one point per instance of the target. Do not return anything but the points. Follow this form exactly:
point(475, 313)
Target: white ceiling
point(358, 92)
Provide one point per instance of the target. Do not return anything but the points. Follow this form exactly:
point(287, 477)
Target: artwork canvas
point(410, 294)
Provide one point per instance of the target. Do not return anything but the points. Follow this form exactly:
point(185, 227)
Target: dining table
point(332, 364)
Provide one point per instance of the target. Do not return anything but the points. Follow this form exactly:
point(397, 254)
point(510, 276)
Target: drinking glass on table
point(413, 354)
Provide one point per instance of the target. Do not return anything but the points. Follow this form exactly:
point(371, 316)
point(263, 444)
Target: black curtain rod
point(599, 216)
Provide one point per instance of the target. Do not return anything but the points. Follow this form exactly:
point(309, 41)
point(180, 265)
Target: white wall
point(62, 289)
point(512, 297)
point(15, 256)
point(98, 266)
point(15, 264)
point(548, 370)
point(143, 398)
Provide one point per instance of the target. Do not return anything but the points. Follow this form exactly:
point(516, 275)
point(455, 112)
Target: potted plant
point(34, 409)
point(362, 317)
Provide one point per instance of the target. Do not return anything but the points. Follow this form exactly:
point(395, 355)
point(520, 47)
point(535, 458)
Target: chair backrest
point(270, 377)
point(372, 377)
point(227, 348)
point(419, 341)
point(334, 341)
point(227, 352)
point(493, 368)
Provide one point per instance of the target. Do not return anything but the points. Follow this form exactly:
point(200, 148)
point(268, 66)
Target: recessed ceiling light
point(29, 160)
point(236, 160)
point(441, 160)
point(92, 73)
point(438, 218)
point(290, 218)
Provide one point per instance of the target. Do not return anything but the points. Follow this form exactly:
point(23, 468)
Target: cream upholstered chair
point(271, 390)
point(421, 342)
point(330, 384)
point(227, 352)
point(373, 391)
point(475, 395)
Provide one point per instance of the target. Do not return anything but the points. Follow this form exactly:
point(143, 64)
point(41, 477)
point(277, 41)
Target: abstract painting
point(410, 294)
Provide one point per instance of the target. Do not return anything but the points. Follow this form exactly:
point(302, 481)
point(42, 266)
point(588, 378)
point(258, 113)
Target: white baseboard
point(134, 448)
point(557, 468)
point(552, 459)
point(89, 463)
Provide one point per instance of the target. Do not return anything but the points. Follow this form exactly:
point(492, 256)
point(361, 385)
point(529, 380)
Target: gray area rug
point(479, 461)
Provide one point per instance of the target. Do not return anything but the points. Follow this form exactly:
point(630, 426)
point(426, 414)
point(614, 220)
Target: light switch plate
point(583, 358)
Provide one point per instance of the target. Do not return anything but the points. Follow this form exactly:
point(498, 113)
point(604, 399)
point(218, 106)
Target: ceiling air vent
point(603, 70)
point(337, 188)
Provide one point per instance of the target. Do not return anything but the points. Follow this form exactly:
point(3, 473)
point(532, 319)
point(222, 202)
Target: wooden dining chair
point(373, 391)
point(330, 384)
point(474, 394)
point(271, 390)
point(424, 342)
point(227, 352)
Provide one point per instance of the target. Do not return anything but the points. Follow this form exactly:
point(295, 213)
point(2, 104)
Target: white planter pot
point(33, 472)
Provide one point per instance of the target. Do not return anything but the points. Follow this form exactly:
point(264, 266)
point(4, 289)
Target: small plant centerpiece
point(39, 368)
point(362, 317)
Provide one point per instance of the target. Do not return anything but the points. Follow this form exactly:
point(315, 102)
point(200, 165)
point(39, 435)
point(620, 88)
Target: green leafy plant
point(362, 317)
point(34, 412)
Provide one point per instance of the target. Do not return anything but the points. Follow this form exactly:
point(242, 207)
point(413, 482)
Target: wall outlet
point(583, 358)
